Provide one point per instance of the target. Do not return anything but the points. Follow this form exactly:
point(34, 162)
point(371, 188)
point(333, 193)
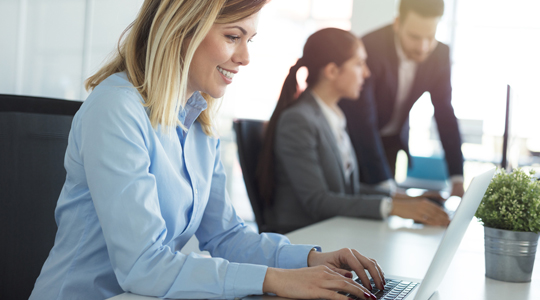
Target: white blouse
point(338, 125)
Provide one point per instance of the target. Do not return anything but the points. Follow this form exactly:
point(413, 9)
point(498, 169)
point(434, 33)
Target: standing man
point(405, 61)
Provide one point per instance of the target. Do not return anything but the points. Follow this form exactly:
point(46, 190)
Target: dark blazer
point(310, 184)
point(375, 107)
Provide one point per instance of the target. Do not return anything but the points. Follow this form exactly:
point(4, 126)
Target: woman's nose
point(367, 72)
point(241, 55)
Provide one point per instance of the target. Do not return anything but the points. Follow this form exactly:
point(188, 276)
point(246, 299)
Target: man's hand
point(457, 189)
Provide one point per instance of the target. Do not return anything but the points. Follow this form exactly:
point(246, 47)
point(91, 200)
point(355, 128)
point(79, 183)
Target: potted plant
point(510, 212)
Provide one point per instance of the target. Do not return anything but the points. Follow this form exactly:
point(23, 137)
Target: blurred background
point(49, 47)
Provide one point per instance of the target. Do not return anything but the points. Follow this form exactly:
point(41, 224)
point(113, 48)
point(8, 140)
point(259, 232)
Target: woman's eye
point(233, 38)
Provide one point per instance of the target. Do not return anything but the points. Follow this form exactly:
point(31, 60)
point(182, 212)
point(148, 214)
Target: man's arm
point(447, 124)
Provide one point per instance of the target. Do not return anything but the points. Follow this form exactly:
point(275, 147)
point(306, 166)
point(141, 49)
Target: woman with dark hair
point(144, 175)
point(308, 171)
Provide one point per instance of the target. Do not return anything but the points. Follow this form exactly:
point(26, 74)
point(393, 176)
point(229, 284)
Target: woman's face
point(352, 74)
point(220, 55)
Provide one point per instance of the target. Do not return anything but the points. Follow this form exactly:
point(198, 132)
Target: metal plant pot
point(510, 254)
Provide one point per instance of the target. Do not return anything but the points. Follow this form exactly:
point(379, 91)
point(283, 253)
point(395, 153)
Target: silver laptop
point(409, 290)
point(400, 289)
point(447, 248)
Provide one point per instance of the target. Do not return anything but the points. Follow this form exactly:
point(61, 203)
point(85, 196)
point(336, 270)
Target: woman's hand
point(320, 282)
point(429, 194)
point(421, 210)
point(436, 196)
point(345, 260)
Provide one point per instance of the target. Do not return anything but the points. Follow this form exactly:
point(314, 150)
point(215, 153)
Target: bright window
point(493, 44)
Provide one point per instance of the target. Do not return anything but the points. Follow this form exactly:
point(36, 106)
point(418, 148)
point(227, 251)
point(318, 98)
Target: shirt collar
point(197, 101)
point(193, 108)
point(335, 117)
point(400, 53)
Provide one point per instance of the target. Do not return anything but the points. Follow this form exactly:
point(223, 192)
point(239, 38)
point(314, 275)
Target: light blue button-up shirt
point(132, 199)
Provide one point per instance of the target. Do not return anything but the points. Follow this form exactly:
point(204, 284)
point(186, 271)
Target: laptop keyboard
point(393, 290)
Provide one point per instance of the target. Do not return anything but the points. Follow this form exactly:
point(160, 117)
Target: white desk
point(405, 249)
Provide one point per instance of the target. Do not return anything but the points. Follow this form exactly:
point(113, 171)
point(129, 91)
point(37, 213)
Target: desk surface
point(405, 249)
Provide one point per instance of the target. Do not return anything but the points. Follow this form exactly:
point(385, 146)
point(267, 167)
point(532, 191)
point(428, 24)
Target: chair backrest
point(249, 138)
point(33, 141)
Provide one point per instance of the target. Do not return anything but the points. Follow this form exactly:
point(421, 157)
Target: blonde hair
point(158, 48)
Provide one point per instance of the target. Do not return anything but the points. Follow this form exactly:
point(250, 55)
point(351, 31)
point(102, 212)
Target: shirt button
point(196, 191)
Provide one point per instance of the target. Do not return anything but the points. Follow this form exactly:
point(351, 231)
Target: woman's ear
point(330, 71)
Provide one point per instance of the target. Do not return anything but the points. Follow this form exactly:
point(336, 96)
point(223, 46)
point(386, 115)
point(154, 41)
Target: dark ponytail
point(329, 45)
point(265, 169)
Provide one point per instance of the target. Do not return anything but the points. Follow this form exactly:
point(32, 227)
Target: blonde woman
point(144, 175)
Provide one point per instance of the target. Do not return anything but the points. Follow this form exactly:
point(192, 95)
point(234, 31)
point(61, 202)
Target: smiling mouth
point(225, 73)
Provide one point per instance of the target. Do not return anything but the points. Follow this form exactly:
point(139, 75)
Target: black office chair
point(249, 138)
point(33, 141)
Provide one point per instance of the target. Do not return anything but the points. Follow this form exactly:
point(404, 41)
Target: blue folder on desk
point(430, 173)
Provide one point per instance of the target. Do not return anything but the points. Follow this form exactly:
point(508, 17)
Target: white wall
point(9, 15)
point(49, 47)
point(368, 15)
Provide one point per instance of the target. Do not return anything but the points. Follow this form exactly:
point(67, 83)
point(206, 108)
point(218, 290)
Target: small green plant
point(512, 202)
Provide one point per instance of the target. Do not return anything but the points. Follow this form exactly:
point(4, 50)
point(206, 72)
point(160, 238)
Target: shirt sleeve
point(386, 207)
point(114, 145)
point(224, 234)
